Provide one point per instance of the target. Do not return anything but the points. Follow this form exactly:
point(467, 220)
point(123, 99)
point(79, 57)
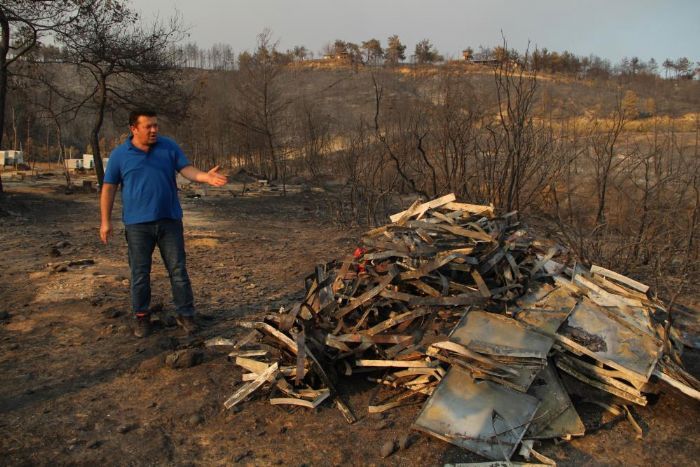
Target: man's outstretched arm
point(212, 177)
point(109, 191)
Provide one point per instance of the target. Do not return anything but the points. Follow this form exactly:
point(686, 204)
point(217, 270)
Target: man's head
point(143, 124)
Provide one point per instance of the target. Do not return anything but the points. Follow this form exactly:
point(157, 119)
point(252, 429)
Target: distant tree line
point(371, 52)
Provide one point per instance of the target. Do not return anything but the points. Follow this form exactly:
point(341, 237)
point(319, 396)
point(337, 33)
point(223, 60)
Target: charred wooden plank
point(251, 365)
point(600, 384)
point(620, 278)
point(300, 342)
point(415, 300)
point(374, 339)
point(465, 352)
point(247, 389)
point(339, 402)
point(417, 209)
point(362, 299)
point(394, 363)
point(425, 288)
point(483, 288)
point(470, 208)
point(430, 266)
point(391, 322)
point(453, 229)
point(288, 343)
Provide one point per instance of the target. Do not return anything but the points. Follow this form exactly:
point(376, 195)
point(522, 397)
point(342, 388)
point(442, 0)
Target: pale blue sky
point(611, 29)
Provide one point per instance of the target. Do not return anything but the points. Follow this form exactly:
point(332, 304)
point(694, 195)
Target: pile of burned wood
point(454, 304)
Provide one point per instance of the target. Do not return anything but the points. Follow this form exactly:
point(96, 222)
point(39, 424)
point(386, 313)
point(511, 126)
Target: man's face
point(145, 131)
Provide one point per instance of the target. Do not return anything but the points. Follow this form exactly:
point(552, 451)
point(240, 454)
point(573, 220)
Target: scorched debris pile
point(454, 304)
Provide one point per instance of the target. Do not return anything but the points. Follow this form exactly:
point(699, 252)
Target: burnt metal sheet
point(480, 416)
point(686, 325)
point(556, 416)
point(593, 331)
point(521, 382)
point(636, 317)
point(536, 292)
point(500, 335)
point(507, 341)
point(547, 313)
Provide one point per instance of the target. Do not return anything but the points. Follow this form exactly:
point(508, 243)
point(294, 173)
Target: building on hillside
point(467, 55)
point(485, 61)
point(88, 161)
point(11, 157)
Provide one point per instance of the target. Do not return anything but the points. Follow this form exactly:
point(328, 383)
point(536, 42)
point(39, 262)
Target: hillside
point(343, 95)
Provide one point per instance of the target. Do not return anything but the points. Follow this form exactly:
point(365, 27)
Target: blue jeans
point(142, 240)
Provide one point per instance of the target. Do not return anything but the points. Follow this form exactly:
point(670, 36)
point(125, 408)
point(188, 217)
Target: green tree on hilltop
point(395, 50)
point(373, 51)
point(425, 52)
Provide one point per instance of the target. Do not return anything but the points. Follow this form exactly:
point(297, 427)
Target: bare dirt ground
point(77, 388)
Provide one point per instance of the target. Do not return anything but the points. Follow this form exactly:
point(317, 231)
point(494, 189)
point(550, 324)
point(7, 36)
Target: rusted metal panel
point(592, 331)
point(556, 416)
point(480, 416)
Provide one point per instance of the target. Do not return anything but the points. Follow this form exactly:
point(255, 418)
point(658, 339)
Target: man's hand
point(107, 195)
point(105, 231)
point(214, 178)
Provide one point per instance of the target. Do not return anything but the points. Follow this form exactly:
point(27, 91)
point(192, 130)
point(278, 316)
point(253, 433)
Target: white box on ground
point(88, 161)
point(11, 157)
point(74, 163)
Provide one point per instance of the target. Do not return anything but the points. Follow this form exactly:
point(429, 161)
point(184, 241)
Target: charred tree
point(126, 63)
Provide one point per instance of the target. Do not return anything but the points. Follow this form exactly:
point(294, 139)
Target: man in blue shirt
point(145, 166)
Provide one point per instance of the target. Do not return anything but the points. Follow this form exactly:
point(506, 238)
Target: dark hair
point(135, 114)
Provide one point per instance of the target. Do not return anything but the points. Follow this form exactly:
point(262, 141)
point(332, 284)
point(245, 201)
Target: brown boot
point(142, 327)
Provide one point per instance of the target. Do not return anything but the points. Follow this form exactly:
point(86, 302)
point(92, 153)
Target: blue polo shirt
point(149, 189)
